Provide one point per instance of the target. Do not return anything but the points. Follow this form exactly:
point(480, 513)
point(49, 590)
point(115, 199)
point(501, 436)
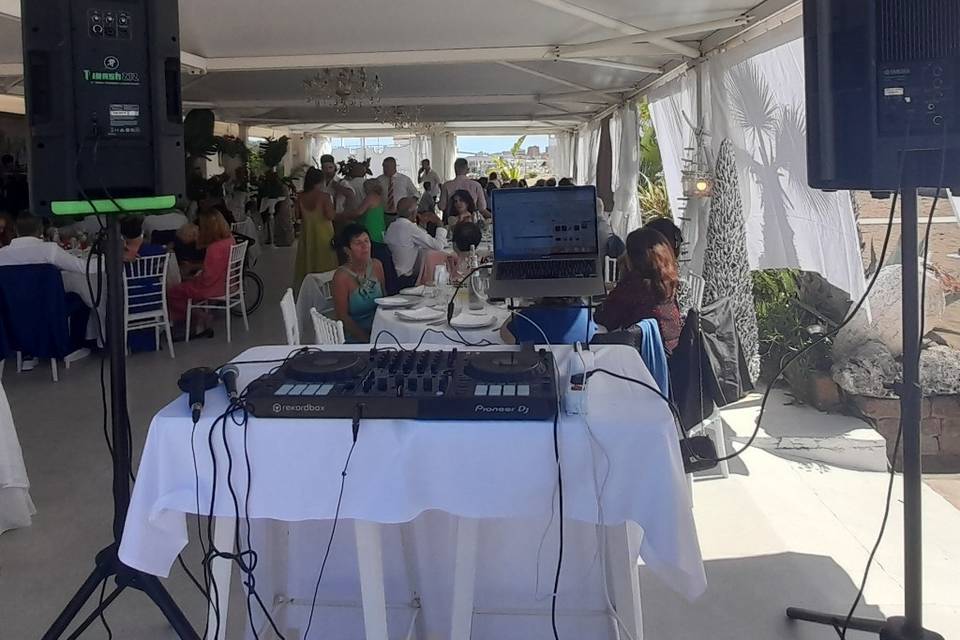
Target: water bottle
point(476, 302)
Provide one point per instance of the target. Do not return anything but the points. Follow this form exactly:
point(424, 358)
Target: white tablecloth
point(387, 320)
point(501, 472)
point(16, 508)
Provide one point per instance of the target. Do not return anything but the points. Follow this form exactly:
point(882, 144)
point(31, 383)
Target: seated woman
point(647, 289)
point(670, 231)
point(131, 228)
point(562, 320)
point(214, 237)
point(462, 208)
point(357, 284)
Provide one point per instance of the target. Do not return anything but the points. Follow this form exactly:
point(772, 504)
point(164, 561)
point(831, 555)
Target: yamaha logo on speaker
point(519, 409)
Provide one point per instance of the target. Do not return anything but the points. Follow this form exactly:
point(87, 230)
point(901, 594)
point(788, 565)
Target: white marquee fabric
point(562, 151)
point(625, 136)
point(443, 151)
point(754, 95)
point(588, 142)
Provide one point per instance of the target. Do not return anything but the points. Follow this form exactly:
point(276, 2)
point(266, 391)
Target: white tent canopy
point(550, 63)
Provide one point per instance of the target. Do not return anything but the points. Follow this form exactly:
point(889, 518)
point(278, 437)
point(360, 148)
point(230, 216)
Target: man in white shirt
point(463, 183)
point(396, 186)
point(406, 239)
point(29, 248)
point(339, 191)
point(428, 175)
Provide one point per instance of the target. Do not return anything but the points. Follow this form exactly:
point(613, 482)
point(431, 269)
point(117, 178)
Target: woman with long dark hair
point(315, 253)
point(462, 208)
point(648, 288)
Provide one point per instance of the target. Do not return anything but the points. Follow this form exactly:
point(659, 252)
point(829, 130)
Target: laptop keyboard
point(546, 270)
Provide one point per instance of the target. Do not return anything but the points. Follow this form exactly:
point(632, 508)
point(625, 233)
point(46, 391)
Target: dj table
point(450, 519)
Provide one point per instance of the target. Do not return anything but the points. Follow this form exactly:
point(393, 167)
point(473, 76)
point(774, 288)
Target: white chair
point(325, 280)
point(713, 425)
point(145, 298)
point(288, 309)
point(611, 270)
point(233, 295)
point(327, 331)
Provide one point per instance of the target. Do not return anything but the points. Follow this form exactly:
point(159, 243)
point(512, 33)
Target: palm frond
point(790, 153)
point(752, 104)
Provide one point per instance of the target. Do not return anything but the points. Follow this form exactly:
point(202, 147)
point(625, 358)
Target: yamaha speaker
point(883, 93)
point(102, 80)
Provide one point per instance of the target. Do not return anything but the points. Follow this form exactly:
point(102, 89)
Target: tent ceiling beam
point(614, 64)
point(546, 76)
point(278, 103)
point(10, 9)
point(566, 51)
point(617, 25)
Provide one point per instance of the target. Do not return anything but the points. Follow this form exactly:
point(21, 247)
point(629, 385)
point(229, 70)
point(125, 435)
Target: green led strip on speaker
point(131, 205)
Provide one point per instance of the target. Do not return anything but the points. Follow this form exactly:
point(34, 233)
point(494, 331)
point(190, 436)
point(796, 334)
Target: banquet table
point(389, 328)
point(456, 519)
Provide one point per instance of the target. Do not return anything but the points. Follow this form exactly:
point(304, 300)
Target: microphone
point(229, 374)
point(195, 383)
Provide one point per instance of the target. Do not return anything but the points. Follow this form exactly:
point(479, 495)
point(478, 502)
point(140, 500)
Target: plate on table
point(421, 314)
point(414, 291)
point(472, 321)
point(393, 302)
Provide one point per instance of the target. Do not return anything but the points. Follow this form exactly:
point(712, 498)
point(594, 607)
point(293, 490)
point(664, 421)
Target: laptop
point(545, 243)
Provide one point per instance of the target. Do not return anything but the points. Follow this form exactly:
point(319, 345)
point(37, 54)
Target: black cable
point(333, 531)
point(103, 617)
point(556, 577)
point(842, 632)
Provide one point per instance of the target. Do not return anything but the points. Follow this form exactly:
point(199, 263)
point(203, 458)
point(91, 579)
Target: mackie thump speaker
point(102, 81)
point(883, 78)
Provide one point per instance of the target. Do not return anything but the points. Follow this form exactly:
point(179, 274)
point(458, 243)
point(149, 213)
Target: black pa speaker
point(883, 93)
point(102, 81)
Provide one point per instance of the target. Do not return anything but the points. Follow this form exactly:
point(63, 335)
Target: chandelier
point(344, 88)
point(400, 117)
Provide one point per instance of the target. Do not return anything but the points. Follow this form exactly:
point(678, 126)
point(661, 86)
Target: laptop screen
point(544, 222)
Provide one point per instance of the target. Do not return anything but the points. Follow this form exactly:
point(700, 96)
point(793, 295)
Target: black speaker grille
point(911, 30)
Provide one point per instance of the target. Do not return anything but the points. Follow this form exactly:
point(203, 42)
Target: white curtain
point(318, 146)
point(625, 140)
point(443, 153)
point(673, 108)
point(562, 152)
point(588, 145)
point(754, 96)
point(422, 150)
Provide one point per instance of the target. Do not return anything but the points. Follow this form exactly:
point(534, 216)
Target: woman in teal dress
point(357, 284)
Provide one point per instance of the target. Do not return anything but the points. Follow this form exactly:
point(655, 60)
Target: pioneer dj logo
point(521, 410)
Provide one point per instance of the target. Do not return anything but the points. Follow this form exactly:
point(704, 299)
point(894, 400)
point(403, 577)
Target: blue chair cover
point(38, 317)
point(654, 355)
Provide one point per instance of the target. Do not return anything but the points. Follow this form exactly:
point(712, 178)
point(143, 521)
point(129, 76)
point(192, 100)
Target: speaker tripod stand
point(107, 563)
point(910, 625)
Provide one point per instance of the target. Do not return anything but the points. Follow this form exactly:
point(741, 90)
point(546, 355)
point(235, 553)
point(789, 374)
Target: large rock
point(872, 371)
point(884, 323)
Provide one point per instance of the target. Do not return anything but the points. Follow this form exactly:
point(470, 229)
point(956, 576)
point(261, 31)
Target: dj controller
point(424, 385)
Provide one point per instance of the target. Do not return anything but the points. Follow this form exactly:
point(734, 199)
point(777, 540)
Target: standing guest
point(354, 174)
point(463, 183)
point(648, 289)
point(406, 239)
point(484, 183)
point(495, 179)
point(461, 208)
point(7, 229)
point(428, 201)
point(315, 252)
point(340, 192)
point(429, 179)
point(395, 186)
point(371, 216)
point(357, 284)
point(29, 248)
point(216, 240)
point(670, 231)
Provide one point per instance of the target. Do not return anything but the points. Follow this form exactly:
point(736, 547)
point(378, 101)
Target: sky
point(492, 144)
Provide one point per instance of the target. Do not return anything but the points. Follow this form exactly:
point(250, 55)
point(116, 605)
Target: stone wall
point(939, 432)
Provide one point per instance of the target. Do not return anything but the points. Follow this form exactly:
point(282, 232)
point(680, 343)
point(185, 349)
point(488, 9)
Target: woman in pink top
point(211, 282)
